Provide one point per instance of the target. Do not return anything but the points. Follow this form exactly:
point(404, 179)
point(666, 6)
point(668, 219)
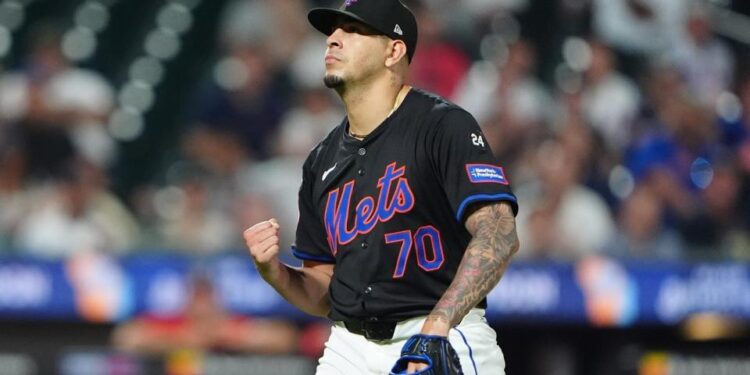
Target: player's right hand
point(262, 240)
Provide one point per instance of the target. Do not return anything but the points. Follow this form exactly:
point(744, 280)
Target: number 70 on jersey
point(425, 241)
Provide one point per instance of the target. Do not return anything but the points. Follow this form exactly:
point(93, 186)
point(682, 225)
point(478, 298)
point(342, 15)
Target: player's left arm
point(494, 241)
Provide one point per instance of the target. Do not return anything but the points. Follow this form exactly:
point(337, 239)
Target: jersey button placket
point(363, 244)
point(361, 171)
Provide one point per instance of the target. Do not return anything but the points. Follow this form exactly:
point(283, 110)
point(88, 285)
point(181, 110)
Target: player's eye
point(351, 28)
point(354, 28)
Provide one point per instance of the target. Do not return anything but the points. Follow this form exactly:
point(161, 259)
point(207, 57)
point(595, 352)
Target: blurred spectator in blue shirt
point(681, 158)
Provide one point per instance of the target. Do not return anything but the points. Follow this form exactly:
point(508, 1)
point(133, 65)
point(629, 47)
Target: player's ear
point(396, 52)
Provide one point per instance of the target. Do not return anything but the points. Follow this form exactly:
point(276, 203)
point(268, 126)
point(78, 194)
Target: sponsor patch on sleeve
point(486, 173)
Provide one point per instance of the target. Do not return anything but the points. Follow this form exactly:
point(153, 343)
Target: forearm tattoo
point(494, 242)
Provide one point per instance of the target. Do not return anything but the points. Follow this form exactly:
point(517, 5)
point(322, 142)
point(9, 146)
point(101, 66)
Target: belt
point(371, 329)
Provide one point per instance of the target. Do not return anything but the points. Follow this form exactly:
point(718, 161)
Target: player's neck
point(367, 107)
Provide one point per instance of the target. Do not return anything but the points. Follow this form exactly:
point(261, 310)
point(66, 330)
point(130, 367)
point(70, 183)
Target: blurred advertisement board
point(664, 363)
point(595, 291)
point(181, 362)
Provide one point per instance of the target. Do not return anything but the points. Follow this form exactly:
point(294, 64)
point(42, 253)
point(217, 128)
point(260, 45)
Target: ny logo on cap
point(349, 2)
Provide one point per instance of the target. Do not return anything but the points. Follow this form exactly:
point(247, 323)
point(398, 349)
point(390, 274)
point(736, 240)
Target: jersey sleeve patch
point(486, 173)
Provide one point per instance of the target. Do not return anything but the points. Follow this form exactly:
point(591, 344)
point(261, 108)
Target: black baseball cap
point(389, 17)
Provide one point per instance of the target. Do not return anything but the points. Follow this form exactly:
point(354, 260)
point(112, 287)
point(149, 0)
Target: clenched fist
point(262, 240)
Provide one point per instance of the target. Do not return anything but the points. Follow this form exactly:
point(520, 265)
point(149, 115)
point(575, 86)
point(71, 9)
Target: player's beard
point(333, 81)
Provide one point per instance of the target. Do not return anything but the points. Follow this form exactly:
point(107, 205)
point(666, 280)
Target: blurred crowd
point(633, 143)
point(205, 325)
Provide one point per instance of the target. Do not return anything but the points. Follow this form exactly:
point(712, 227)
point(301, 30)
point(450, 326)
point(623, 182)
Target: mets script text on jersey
point(368, 212)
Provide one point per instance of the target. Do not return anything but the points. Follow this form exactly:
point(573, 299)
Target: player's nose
point(334, 39)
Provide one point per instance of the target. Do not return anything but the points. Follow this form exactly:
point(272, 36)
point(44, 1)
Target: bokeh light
point(11, 14)
point(79, 43)
point(6, 41)
point(175, 17)
point(567, 79)
point(162, 44)
point(728, 107)
point(92, 15)
point(577, 54)
point(138, 95)
point(187, 3)
point(701, 173)
point(230, 73)
point(147, 69)
point(621, 182)
point(126, 124)
point(493, 47)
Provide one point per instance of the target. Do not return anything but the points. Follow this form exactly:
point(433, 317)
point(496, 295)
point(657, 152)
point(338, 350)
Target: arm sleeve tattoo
point(494, 242)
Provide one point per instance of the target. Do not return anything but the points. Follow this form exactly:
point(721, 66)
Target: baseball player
point(406, 220)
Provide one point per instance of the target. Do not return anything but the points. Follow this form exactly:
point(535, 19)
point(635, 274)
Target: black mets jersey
point(389, 210)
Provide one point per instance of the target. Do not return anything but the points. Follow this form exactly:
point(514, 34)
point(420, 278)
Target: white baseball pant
point(473, 339)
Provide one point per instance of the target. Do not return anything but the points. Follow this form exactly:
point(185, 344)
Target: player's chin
point(333, 81)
